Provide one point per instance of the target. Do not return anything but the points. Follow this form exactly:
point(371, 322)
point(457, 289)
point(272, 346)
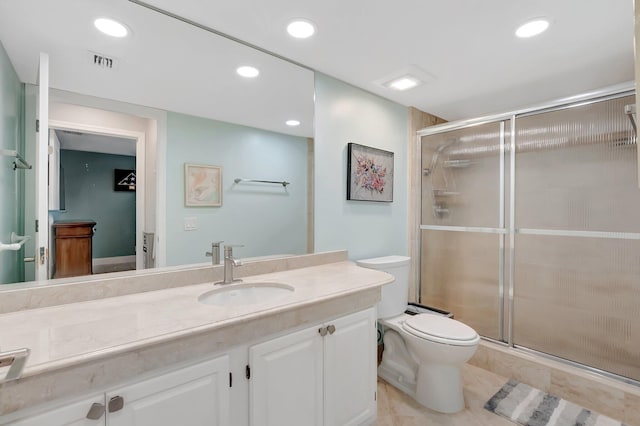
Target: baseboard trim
point(100, 261)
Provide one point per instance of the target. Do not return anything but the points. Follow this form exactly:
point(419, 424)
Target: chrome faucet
point(214, 254)
point(229, 263)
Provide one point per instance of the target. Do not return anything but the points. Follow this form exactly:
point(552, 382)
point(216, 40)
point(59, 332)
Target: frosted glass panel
point(576, 169)
point(577, 298)
point(576, 294)
point(461, 176)
point(459, 273)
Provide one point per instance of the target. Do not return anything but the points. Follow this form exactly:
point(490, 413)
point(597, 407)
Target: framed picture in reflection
point(202, 185)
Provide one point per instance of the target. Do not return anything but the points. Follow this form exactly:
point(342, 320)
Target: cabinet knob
point(96, 411)
point(116, 404)
point(331, 328)
point(322, 331)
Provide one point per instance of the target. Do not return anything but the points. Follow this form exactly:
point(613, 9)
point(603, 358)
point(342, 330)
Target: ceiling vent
point(103, 61)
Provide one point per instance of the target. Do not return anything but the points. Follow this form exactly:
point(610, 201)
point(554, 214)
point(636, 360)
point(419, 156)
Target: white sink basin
point(245, 294)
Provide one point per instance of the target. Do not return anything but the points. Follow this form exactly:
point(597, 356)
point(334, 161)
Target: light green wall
point(89, 194)
point(344, 114)
point(11, 93)
point(267, 219)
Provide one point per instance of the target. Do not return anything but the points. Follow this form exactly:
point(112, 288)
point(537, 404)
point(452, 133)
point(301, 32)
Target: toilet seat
point(440, 330)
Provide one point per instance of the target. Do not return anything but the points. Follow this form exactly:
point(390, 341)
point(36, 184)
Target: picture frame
point(124, 180)
point(202, 185)
point(369, 173)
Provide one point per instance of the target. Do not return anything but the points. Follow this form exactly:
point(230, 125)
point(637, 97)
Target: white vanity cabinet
point(190, 396)
point(74, 414)
point(322, 375)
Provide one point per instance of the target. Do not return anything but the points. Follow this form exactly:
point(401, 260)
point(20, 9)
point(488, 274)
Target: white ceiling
point(467, 48)
point(77, 141)
point(165, 64)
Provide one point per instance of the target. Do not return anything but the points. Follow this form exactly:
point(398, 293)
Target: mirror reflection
point(125, 117)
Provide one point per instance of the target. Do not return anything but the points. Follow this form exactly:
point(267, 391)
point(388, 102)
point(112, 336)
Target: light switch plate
point(190, 223)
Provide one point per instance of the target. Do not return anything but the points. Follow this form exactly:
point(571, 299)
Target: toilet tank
point(395, 295)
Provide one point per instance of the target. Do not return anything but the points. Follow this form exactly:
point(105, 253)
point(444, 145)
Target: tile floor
point(397, 409)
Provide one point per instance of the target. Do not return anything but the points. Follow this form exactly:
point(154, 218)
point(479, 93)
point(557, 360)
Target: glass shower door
point(577, 247)
point(463, 226)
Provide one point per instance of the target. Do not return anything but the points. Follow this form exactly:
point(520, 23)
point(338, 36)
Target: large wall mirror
point(162, 110)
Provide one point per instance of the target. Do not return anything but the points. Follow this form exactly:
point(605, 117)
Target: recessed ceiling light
point(292, 123)
point(111, 27)
point(248, 72)
point(532, 28)
point(403, 83)
point(301, 28)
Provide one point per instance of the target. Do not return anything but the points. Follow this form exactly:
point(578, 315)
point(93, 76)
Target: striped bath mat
point(531, 407)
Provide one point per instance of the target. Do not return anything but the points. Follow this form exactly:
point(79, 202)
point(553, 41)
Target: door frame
point(158, 158)
point(140, 142)
point(41, 164)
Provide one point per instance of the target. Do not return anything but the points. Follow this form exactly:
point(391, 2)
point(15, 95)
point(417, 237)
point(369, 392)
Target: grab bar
point(15, 360)
point(284, 183)
point(19, 163)
point(17, 241)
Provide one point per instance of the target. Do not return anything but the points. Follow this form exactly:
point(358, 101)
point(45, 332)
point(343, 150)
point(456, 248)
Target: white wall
point(346, 114)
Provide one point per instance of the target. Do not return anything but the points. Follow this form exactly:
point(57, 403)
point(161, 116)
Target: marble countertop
point(65, 335)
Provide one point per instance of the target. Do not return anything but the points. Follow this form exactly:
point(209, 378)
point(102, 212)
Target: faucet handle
point(215, 252)
point(214, 245)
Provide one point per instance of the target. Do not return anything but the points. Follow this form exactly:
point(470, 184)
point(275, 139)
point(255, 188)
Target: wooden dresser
point(73, 245)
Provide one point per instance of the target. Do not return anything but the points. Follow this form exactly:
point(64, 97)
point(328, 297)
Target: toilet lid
point(440, 329)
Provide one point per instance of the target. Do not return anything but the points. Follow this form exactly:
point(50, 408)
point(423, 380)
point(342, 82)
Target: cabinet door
point(192, 396)
point(285, 388)
point(350, 369)
point(74, 414)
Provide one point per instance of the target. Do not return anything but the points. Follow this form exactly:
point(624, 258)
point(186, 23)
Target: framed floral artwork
point(369, 173)
point(202, 185)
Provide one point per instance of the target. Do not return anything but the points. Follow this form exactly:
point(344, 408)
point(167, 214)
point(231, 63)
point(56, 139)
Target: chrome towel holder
point(284, 183)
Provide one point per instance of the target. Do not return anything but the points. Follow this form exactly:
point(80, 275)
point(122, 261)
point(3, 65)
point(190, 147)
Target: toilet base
point(397, 381)
point(439, 387)
point(397, 367)
point(433, 385)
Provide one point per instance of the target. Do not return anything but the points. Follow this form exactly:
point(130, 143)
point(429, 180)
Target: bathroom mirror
point(214, 117)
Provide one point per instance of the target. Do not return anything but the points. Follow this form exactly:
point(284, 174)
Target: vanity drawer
point(81, 230)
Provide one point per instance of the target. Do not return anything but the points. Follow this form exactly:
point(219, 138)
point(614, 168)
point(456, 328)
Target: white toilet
point(423, 353)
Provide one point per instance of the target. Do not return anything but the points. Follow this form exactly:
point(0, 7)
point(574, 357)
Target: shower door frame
point(506, 286)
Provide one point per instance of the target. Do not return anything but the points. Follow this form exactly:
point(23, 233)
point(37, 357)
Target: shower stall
point(530, 229)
